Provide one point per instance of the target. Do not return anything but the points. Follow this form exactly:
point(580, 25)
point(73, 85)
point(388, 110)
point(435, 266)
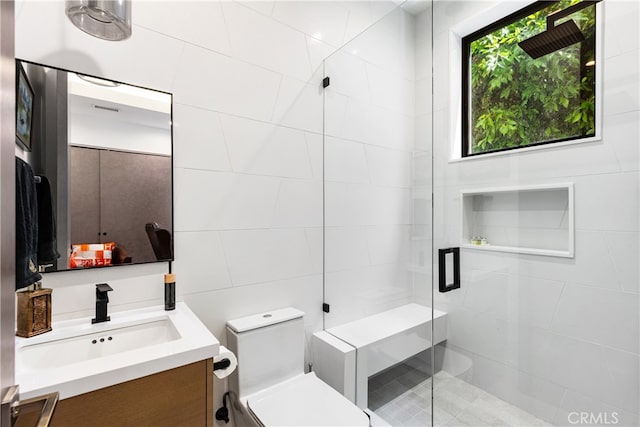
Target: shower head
point(556, 37)
point(553, 39)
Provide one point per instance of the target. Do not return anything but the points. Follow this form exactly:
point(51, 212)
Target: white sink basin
point(90, 345)
point(78, 357)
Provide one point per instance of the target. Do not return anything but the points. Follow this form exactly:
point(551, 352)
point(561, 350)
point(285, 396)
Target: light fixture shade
point(105, 19)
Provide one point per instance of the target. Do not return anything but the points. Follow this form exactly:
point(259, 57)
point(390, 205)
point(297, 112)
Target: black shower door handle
point(442, 269)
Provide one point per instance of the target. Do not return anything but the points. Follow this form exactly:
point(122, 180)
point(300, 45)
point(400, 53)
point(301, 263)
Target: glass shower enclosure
point(538, 323)
point(377, 218)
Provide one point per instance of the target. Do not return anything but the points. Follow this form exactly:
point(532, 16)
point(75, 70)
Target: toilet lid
point(305, 401)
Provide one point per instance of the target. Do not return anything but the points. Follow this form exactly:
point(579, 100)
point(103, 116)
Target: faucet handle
point(103, 287)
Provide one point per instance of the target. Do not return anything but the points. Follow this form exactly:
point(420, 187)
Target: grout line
point(224, 141)
point(411, 150)
point(242, 285)
point(612, 261)
point(306, 45)
point(308, 146)
point(227, 230)
point(226, 261)
point(278, 96)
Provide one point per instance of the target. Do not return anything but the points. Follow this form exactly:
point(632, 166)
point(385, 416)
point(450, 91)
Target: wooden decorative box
point(34, 312)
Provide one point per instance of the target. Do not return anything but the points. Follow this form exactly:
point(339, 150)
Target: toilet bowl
point(270, 382)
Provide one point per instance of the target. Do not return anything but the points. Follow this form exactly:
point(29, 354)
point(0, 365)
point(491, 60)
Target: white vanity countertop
point(187, 341)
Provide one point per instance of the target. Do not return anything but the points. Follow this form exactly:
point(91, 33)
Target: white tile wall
point(207, 28)
point(203, 138)
point(551, 335)
point(326, 21)
point(270, 254)
point(270, 44)
point(259, 148)
point(247, 147)
point(216, 82)
point(299, 104)
point(206, 200)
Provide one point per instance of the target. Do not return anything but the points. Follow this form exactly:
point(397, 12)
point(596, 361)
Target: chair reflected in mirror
point(160, 240)
point(119, 255)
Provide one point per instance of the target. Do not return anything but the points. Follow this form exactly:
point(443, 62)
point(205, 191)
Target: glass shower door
point(377, 215)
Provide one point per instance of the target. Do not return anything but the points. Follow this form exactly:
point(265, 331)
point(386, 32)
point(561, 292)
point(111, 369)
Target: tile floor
point(402, 397)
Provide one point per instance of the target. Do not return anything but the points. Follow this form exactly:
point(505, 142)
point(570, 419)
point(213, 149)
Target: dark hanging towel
point(26, 226)
point(47, 241)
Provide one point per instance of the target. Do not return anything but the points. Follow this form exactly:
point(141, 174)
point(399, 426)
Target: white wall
point(551, 335)
point(247, 145)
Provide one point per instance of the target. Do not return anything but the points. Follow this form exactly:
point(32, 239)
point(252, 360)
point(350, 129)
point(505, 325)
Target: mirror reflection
point(104, 148)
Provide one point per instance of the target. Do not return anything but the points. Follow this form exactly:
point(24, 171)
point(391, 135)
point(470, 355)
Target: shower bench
point(347, 355)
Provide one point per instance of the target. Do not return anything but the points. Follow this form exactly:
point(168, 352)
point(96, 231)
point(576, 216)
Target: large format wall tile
point(204, 249)
point(217, 200)
point(347, 248)
point(621, 83)
point(260, 148)
point(598, 315)
point(299, 104)
point(389, 167)
point(389, 244)
point(255, 256)
point(260, 40)
point(623, 133)
point(361, 204)
point(299, 204)
point(348, 74)
point(345, 161)
point(608, 202)
point(207, 28)
point(620, 385)
point(210, 80)
point(624, 248)
point(518, 299)
point(199, 142)
point(325, 21)
point(621, 35)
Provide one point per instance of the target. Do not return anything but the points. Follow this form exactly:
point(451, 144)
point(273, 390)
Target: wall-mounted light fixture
point(105, 19)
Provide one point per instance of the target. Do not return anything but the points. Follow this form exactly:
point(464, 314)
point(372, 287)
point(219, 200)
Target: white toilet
point(270, 381)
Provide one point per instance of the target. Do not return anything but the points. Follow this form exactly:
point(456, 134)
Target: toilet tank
point(269, 347)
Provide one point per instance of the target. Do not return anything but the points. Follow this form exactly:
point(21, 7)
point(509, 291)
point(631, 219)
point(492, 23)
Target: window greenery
point(511, 100)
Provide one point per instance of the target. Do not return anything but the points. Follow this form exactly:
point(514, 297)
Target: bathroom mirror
point(105, 148)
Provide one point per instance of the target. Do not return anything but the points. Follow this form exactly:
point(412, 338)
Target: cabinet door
point(84, 195)
point(135, 189)
point(179, 397)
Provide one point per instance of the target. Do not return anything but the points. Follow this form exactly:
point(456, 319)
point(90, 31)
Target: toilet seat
point(304, 401)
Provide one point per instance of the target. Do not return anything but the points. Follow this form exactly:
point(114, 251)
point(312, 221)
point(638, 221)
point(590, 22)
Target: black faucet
point(102, 299)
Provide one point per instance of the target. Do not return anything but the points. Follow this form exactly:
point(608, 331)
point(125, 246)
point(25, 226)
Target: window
point(511, 100)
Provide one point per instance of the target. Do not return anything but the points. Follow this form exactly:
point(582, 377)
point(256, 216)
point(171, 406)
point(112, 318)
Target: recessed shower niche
point(528, 219)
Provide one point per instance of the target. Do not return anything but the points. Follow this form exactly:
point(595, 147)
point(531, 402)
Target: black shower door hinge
point(326, 307)
point(326, 82)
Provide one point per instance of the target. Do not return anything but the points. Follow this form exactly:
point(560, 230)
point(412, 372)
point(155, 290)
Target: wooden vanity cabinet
point(180, 397)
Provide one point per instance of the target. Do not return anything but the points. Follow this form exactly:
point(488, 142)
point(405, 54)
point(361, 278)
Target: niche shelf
point(536, 219)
